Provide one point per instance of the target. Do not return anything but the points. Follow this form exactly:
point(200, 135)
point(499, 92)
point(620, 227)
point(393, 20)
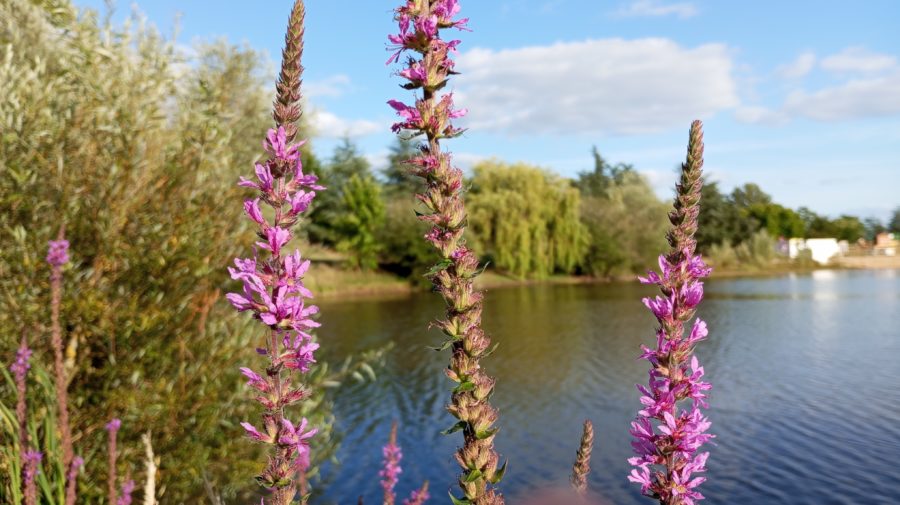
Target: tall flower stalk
point(57, 257)
point(667, 434)
point(127, 488)
point(30, 460)
point(30, 469)
point(20, 368)
point(112, 428)
point(428, 68)
point(273, 289)
point(582, 466)
point(390, 471)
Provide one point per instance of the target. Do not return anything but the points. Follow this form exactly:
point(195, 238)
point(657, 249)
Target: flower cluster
point(58, 252)
point(272, 285)
point(418, 497)
point(667, 439)
point(57, 257)
point(32, 465)
point(274, 292)
point(20, 368)
point(428, 69)
point(390, 472)
point(21, 365)
point(112, 427)
point(127, 489)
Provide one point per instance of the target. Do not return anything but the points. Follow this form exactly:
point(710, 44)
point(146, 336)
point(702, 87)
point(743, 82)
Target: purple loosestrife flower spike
point(419, 496)
point(20, 368)
point(428, 69)
point(272, 284)
point(57, 257)
point(667, 437)
point(32, 462)
point(113, 428)
point(582, 466)
point(127, 489)
point(390, 472)
point(71, 476)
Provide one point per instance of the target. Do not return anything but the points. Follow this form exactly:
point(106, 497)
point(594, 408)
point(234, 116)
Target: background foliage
point(136, 149)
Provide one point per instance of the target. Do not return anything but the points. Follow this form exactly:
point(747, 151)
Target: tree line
point(528, 221)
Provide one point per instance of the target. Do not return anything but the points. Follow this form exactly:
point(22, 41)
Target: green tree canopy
point(526, 220)
point(327, 214)
point(627, 227)
point(362, 217)
point(398, 180)
point(598, 181)
point(721, 221)
point(777, 220)
point(894, 223)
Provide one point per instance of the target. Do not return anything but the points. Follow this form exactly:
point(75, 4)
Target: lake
point(805, 405)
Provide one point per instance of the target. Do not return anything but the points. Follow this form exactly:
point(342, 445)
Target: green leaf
point(481, 435)
point(456, 501)
point(473, 475)
point(491, 350)
point(456, 427)
point(439, 267)
point(443, 347)
point(500, 473)
point(464, 386)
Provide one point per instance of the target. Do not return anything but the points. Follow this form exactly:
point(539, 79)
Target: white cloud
point(329, 125)
point(657, 8)
point(798, 68)
point(597, 86)
point(333, 86)
point(873, 90)
point(760, 115)
point(858, 98)
point(858, 59)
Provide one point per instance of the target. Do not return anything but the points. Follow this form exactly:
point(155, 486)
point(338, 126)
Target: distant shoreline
point(330, 283)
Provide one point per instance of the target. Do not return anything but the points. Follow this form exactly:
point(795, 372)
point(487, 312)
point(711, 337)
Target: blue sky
point(801, 97)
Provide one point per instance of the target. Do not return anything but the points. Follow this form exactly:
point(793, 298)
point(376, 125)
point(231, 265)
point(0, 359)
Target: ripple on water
point(806, 404)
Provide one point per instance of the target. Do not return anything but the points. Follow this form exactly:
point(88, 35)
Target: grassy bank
point(329, 281)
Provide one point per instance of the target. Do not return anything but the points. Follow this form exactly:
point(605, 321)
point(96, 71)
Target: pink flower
point(255, 434)
point(390, 472)
point(264, 175)
point(301, 201)
point(127, 489)
point(114, 425)
point(21, 365)
point(660, 306)
point(276, 145)
point(251, 207)
point(255, 380)
point(298, 438)
point(276, 238)
point(58, 253)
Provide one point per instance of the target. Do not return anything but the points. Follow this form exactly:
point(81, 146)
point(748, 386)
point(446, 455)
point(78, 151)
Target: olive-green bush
point(135, 146)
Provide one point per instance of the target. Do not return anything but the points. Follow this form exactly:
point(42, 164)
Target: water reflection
point(806, 370)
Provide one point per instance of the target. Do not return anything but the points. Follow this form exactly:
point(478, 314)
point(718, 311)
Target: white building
point(822, 250)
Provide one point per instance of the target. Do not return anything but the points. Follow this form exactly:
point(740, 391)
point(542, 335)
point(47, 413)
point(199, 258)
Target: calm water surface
point(805, 368)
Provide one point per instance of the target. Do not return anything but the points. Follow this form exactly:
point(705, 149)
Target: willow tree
point(526, 219)
point(107, 130)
